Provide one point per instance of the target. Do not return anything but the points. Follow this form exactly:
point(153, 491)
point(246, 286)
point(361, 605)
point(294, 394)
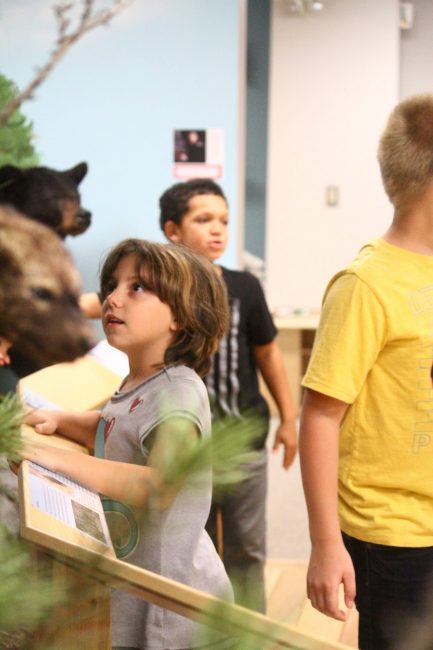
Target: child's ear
point(171, 231)
point(174, 326)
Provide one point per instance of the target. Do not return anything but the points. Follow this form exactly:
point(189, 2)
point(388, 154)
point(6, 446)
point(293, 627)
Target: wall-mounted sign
point(198, 153)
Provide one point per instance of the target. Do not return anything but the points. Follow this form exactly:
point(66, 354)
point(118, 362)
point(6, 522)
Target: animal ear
point(77, 173)
point(8, 174)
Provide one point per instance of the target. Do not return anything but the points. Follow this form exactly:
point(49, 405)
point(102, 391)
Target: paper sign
point(68, 501)
point(198, 153)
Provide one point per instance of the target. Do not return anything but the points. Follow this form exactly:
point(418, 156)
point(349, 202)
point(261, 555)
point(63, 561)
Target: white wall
point(334, 80)
point(416, 69)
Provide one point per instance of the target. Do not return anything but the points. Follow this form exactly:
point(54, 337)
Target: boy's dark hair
point(173, 203)
point(190, 285)
point(406, 150)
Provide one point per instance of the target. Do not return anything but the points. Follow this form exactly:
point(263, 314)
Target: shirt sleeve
point(260, 326)
point(177, 400)
point(351, 333)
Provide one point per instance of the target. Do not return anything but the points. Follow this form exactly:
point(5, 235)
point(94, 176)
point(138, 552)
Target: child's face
point(4, 348)
point(204, 227)
point(135, 320)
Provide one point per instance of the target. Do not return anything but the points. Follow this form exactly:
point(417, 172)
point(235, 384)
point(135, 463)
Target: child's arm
point(80, 427)
point(120, 481)
point(271, 365)
point(330, 563)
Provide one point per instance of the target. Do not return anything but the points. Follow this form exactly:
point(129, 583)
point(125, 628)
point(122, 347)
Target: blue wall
point(116, 98)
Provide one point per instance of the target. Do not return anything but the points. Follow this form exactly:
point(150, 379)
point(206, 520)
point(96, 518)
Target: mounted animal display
point(48, 196)
point(39, 290)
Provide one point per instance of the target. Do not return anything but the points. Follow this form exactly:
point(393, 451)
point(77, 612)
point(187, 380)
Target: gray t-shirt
point(170, 542)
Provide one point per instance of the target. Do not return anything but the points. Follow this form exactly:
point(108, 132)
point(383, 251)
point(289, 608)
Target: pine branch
point(229, 452)
point(11, 414)
point(24, 602)
point(66, 37)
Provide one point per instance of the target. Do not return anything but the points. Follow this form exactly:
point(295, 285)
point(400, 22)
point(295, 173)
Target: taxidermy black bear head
point(47, 195)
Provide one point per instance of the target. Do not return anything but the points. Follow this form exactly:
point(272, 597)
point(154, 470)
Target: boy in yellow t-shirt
point(366, 438)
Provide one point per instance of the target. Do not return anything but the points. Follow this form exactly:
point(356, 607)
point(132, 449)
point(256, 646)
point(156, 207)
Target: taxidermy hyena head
point(39, 289)
point(46, 195)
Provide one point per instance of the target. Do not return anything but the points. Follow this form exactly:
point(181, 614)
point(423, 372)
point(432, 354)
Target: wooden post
point(83, 617)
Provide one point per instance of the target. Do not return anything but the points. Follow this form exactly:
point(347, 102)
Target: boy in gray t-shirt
point(166, 308)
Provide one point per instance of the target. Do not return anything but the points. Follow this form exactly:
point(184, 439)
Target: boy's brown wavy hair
point(190, 285)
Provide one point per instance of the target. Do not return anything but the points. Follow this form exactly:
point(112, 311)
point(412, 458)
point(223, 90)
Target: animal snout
point(84, 217)
point(70, 348)
point(86, 343)
point(75, 223)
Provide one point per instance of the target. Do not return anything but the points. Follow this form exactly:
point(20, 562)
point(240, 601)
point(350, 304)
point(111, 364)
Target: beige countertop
point(302, 321)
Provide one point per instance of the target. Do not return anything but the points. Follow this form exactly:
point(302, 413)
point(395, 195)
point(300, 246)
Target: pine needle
point(11, 414)
point(23, 602)
point(229, 452)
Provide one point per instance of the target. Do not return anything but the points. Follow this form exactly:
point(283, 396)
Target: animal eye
point(71, 299)
point(41, 293)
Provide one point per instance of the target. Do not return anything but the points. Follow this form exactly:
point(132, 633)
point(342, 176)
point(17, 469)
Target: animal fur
point(47, 195)
point(39, 289)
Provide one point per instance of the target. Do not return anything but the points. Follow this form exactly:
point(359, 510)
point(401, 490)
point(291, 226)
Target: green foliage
point(11, 413)
point(232, 447)
point(229, 451)
point(231, 621)
point(16, 133)
point(23, 602)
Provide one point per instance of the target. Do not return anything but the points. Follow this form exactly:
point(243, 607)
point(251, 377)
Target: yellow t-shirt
point(374, 350)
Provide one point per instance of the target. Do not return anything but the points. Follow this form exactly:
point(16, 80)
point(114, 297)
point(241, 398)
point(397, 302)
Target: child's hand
point(44, 421)
point(331, 565)
point(4, 349)
point(42, 454)
point(287, 436)
point(14, 466)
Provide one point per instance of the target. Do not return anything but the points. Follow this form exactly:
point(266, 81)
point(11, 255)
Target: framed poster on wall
point(198, 153)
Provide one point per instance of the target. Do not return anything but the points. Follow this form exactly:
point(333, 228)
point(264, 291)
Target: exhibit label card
point(68, 501)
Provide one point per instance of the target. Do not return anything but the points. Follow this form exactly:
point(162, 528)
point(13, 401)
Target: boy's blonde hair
point(190, 285)
point(406, 150)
